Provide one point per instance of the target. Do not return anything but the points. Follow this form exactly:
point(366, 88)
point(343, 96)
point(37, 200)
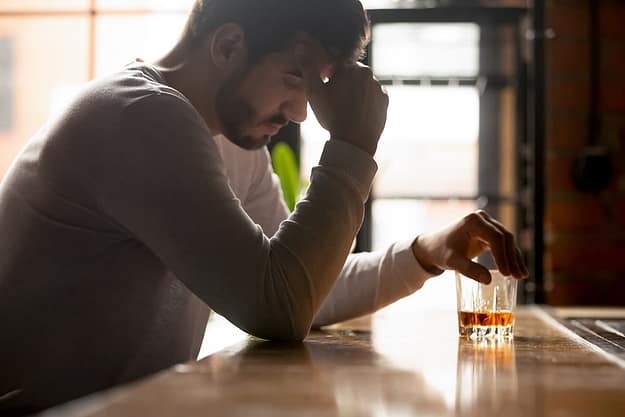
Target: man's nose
point(295, 109)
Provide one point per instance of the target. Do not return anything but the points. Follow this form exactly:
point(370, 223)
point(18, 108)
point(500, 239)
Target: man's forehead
point(317, 53)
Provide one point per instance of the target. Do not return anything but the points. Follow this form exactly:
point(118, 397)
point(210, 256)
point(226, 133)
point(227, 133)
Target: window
point(425, 49)
point(419, 143)
point(122, 38)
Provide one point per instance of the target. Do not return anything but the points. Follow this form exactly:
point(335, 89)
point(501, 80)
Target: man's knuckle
point(482, 213)
point(472, 218)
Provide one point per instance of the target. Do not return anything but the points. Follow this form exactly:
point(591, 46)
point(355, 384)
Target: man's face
point(256, 102)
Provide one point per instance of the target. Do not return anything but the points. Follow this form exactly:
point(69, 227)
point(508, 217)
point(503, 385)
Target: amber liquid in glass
point(485, 318)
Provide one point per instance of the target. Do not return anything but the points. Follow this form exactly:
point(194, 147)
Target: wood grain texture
point(384, 367)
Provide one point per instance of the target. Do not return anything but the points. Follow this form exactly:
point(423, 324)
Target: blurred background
point(494, 105)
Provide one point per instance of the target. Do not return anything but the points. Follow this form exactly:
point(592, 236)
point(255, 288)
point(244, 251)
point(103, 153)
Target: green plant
point(285, 167)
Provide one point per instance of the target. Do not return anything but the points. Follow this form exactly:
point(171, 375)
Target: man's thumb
point(471, 269)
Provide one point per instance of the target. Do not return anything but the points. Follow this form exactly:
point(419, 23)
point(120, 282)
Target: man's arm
point(367, 282)
point(169, 191)
point(162, 180)
point(372, 280)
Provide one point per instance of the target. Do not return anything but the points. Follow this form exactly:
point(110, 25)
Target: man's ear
point(227, 47)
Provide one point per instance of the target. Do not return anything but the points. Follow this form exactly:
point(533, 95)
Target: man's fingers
point(493, 238)
point(470, 269)
point(503, 245)
point(510, 248)
point(513, 258)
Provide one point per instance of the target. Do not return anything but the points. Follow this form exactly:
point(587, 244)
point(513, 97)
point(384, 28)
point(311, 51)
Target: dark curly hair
point(341, 26)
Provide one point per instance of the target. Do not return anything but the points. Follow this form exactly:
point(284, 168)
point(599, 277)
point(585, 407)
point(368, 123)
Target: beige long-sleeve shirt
point(124, 221)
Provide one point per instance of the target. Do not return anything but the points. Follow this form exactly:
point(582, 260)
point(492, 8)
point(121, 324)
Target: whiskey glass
point(486, 311)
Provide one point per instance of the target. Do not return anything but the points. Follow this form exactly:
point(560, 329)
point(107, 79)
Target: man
point(151, 200)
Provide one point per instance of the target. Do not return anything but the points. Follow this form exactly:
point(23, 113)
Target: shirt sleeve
point(370, 281)
point(367, 282)
point(162, 180)
point(265, 201)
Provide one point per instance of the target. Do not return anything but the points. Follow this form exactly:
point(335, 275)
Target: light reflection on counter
point(411, 343)
point(404, 365)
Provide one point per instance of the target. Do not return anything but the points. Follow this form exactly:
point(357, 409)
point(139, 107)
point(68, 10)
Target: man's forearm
point(371, 281)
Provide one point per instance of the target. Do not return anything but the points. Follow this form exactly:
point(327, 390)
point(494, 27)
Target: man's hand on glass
point(456, 245)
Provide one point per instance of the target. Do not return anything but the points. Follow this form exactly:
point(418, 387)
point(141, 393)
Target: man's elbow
point(282, 330)
point(293, 336)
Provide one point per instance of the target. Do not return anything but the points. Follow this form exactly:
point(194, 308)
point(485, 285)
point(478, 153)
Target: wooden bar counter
point(384, 367)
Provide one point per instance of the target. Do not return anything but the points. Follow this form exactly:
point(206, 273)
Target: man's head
point(252, 42)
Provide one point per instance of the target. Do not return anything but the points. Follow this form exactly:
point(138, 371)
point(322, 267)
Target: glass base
point(486, 332)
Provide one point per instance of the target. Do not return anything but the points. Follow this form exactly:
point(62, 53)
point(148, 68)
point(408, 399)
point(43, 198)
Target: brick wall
point(585, 234)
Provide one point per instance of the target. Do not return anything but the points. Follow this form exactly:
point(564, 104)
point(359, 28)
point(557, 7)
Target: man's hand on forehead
point(352, 105)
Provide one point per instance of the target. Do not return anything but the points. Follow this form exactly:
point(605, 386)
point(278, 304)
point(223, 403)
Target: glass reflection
point(487, 382)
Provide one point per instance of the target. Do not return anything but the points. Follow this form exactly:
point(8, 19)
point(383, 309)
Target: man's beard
point(236, 115)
